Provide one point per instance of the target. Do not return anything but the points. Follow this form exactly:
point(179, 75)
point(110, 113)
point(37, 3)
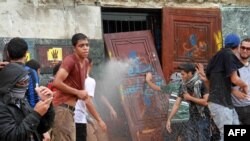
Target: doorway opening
point(116, 20)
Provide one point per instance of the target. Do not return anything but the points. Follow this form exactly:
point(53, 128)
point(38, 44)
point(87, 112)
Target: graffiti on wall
point(218, 40)
point(48, 56)
point(194, 48)
point(139, 66)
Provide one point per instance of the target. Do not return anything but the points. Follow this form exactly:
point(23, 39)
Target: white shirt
point(80, 108)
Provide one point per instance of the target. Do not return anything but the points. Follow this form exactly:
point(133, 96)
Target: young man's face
point(82, 48)
point(186, 76)
point(245, 50)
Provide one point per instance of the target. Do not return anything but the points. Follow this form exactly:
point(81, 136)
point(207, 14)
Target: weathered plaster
point(29, 21)
point(235, 20)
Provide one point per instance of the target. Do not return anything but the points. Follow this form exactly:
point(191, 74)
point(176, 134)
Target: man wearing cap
point(221, 74)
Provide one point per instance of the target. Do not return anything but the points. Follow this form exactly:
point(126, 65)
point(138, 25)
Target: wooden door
point(189, 35)
point(145, 109)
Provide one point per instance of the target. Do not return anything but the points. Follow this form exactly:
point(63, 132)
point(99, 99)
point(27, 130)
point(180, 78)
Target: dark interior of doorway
point(116, 20)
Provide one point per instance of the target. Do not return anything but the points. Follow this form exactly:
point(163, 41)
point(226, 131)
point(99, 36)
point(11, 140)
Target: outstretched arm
point(150, 83)
point(112, 111)
point(91, 108)
point(172, 113)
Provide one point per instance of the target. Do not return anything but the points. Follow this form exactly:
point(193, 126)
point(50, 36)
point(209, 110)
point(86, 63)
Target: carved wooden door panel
point(189, 35)
point(145, 108)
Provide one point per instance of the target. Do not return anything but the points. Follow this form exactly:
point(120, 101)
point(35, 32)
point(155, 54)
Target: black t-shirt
point(219, 70)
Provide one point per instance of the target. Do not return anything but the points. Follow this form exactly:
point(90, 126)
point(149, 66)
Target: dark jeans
point(198, 130)
point(81, 132)
point(244, 114)
point(204, 129)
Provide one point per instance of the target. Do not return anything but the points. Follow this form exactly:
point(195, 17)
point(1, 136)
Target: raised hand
point(200, 70)
point(42, 107)
point(44, 92)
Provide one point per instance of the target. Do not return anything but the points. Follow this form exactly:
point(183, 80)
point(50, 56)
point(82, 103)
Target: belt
point(68, 107)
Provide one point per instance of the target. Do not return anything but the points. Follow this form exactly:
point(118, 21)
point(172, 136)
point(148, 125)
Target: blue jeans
point(223, 116)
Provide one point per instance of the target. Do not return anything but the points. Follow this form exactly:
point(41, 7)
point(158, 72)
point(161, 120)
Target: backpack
point(31, 94)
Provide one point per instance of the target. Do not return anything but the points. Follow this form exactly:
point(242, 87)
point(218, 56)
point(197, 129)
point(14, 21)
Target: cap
point(232, 41)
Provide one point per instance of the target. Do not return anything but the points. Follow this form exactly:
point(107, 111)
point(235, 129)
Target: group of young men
point(220, 93)
point(21, 119)
point(21, 122)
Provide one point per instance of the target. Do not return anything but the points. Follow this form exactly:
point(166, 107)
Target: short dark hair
point(188, 67)
point(17, 48)
point(33, 64)
point(246, 40)
point(76, 37)
point(56, 68)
